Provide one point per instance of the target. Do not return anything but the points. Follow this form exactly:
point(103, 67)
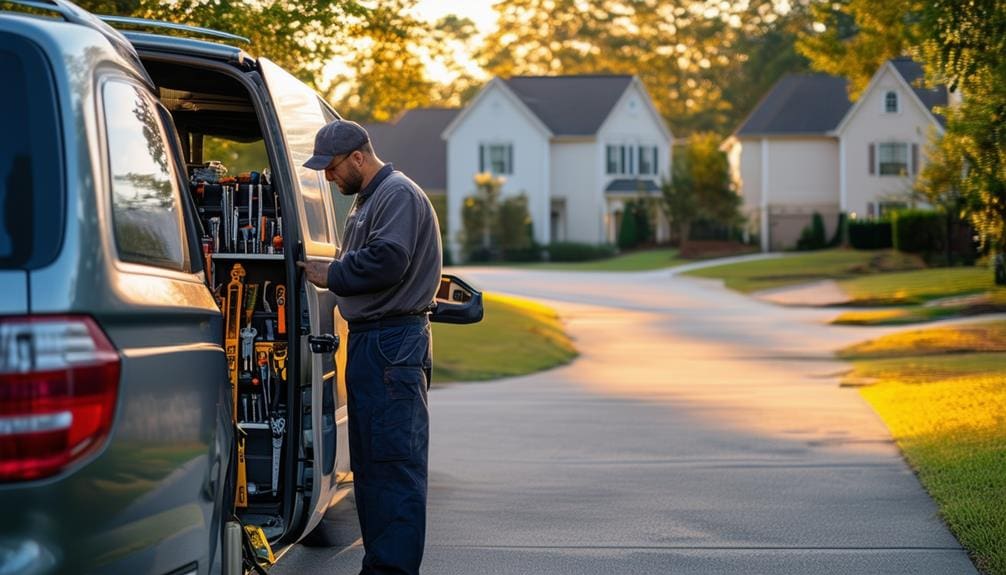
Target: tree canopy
point(693, 57)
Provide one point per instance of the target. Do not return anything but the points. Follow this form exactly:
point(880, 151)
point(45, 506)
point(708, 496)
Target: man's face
point(345, 172)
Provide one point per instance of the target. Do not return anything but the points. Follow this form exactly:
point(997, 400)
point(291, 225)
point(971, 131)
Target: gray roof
point(413, 144)
point(631, 186)
point(912, 72)
point(570, 105)
point(799, 104)
point(817, 103)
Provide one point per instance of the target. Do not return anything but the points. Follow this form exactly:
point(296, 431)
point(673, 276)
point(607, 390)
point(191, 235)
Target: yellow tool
point(279, 360)
point(251, 298)
point(281, 309)
point(241, 496)
point(260, 544)
point(232, 329)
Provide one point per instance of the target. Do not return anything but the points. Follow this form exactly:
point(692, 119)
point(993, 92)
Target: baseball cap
point(333, 139)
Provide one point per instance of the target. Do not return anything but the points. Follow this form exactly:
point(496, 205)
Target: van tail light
point(59, 380)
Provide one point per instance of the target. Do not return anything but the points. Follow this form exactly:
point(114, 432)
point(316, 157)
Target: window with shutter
point(873, 159)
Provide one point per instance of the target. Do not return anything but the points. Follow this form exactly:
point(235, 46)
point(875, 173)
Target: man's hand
point(315, 272)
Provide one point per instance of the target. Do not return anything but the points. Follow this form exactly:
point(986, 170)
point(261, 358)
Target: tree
point(300, 37)
point(700, 186)
point(687, 53)
point(854, 38)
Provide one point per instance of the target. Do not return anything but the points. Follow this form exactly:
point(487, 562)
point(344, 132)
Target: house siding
point(496, 118)
point(578, 187)
point(870, 124)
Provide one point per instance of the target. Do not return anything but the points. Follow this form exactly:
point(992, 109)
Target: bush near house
point(813, 236)
point(870, 234)
point(920, 232)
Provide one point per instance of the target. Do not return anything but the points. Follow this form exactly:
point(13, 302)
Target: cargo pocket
point(392, 433)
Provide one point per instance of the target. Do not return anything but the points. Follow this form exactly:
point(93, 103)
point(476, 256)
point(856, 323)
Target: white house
point(806, 148)
point(578, 146)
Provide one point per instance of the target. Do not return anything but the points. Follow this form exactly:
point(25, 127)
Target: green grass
point(897, 316)
point(644, 260)
point(839, 264)
point(920, 286)
point(516, 337)
point(942, 393)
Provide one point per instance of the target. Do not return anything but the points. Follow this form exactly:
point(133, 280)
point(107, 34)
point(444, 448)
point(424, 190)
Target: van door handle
point(325, 343)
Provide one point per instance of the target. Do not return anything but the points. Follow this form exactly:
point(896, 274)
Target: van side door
point(300, 114)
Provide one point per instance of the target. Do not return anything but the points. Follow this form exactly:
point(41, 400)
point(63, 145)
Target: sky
point(480, 11)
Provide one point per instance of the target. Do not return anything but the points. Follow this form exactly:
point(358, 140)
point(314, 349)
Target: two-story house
point(806, 148)
point(578, 146)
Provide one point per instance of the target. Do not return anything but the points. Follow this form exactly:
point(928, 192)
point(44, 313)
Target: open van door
point(301, 113)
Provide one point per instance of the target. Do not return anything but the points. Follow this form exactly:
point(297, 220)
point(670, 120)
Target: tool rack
point(245, 268)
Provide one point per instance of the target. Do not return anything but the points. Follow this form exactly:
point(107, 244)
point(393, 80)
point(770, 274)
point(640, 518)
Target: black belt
point(389, 321)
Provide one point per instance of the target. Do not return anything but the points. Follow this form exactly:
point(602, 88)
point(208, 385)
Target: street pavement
point(699, 432)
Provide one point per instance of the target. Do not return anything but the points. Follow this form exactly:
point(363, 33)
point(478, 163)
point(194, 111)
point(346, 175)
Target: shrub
point(812, 237)
point(920, 232)
point(840, 231)
point(628, 232)
point(870, 234)
point(577, 252)
point(515, 225)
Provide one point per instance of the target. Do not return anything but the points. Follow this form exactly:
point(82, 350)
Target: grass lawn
point(748, 277)
point(942, 393)
point(516, 337)
point(644, 260)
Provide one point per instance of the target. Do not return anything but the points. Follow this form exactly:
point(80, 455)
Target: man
point(385, 278)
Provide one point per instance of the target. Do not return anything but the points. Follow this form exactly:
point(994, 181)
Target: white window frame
point(897, 102)
point(486, 161)
point(653, 152)
point(881, 146)
point(627, 158)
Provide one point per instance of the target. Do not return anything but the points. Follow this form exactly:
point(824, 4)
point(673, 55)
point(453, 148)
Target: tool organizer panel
point(245, 267)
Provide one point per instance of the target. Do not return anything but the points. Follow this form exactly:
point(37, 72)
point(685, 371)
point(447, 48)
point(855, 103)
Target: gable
point(496, 95)
point(635, 114)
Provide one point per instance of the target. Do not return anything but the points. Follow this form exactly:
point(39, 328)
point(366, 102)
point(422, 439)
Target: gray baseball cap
point(334, 139)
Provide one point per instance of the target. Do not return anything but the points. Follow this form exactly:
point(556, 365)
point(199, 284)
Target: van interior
point(243, 239)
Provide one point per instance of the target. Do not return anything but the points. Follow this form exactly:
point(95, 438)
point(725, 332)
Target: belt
point(417, 318)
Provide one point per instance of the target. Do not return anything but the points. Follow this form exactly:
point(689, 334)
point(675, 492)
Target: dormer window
point(891, 102)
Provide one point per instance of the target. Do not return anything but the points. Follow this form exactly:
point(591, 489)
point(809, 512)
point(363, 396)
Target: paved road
point(699, 432)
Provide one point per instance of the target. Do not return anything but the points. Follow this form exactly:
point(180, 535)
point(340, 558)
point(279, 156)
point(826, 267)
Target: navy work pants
point(387, 376)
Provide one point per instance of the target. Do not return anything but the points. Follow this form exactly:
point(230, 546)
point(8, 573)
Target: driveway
point(699, 432)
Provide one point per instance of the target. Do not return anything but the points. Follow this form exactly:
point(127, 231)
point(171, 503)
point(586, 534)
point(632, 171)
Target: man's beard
point(352, 184)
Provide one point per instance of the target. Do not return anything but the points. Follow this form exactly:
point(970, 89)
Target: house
point(413, 144)
point(577, 146)
point(806, 148)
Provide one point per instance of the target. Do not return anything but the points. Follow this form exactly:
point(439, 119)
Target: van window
point(146, 206)
point(301, 115)
point(342, 203)
point(32, 199)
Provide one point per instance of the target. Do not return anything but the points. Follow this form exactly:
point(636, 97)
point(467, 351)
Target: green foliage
point(813, 236)
point(704, 65)
point(473, 221)
point(920, 232)
point(858, 37)
point(577, 252)
point(515, 224)
point(700, 186)
point(628, 232)
point(870, 234)
point(841, 231)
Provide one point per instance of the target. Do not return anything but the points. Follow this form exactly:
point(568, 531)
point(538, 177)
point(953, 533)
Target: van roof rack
point(77, 15)
point(162, 25)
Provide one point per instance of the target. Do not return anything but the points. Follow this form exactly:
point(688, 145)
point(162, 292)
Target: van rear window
point(32, 200)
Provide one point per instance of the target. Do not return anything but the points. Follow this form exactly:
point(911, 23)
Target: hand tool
point(269, 334)
point(265, 375)
point(241, 495)
point(225, 213)
point(251, 299)
point(232, 328)
point(244, 408)
point(281, 309)
point(215, 233)
point(265, 298)
point(278, 425)
point(247, 345)
point(279, 353)
point(234, 227)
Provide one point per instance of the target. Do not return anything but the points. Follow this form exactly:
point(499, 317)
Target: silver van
point(171, 390)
